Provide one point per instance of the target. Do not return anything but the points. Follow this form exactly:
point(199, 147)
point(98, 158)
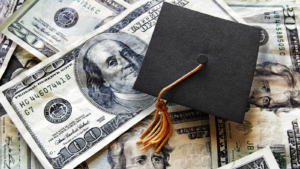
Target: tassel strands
point(162, 131)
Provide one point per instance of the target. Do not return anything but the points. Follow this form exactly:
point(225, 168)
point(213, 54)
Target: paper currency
point(260, 159)
point(67, 110)
point(10, 142)
point(24, 56)
point(20, 61)
point(7, 46)
point(15, 153)
point(255, 1)
point(292, 129)
point(189, 146)
point(27, 158)
point(232, 141)
point(274, 90)
point(131, 1)
point(45, 27)
point(276, 81)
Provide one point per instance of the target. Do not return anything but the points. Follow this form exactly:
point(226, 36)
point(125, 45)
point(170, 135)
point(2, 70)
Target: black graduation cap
point(181, 39)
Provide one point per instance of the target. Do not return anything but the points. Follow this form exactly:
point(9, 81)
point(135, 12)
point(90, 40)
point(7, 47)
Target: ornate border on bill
point(260, 159)
point(45, 33)
point(25, 96)
point(290, 23)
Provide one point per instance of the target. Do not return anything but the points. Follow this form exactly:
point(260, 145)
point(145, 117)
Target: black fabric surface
point(221, 87)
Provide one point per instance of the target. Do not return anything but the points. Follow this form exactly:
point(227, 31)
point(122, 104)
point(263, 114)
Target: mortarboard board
point(180, 40)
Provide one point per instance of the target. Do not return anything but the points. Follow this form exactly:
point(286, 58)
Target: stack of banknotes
point(67, 68)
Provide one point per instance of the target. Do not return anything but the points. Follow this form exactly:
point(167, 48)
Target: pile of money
point(67, 69)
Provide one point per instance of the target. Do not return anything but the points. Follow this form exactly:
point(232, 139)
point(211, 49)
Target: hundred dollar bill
point(7, 46)
point(73, 104)
point(20, 61)
point(15, 153)
point(189, 146)
point(231, 141)
point(260, 159)
point(45, 27)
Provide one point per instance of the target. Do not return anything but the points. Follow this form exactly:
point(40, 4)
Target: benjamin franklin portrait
point(106, 70)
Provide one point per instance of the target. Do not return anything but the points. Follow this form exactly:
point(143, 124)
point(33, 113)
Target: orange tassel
point(163, 129)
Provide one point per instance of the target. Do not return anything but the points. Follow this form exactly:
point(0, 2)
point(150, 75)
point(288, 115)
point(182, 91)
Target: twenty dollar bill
point(260, 159)
point(231, 141)
point(189, 146)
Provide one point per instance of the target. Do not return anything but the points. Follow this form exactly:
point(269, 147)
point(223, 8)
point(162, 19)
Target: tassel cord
point(163, 129)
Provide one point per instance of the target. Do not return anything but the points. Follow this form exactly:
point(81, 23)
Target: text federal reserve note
point(7, 46)
point(45, 27)
point(73, 104)
point(262, 159)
